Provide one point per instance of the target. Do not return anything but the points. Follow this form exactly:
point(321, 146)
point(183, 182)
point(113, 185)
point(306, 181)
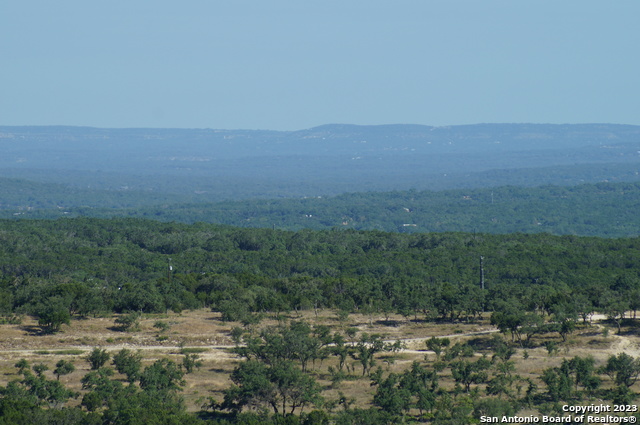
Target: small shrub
point(22, 365)
point(190, 362)
point(63, 367)
point(552, 347)
point(10, 320)
point(161, 326)
point(129, 322)
point(236, 334)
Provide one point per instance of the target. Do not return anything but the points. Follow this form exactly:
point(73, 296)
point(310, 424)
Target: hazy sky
point(294, 64)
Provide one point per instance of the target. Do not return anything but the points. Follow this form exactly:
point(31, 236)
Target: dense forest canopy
point(602, 209)
point(123, 263)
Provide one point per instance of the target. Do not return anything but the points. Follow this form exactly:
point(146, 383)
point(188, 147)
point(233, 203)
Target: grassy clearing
point(203, 333)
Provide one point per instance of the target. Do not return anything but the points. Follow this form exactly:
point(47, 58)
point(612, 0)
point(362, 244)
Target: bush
point(128, 363)
point(97, 358)
point(129, 322)
point(191, 361)
point(52, 315)
point(161, 326)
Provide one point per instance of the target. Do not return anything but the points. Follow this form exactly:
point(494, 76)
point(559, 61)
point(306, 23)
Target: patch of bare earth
point(206, 334)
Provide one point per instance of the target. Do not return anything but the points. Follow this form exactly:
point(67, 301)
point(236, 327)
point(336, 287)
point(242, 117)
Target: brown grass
point(203, 328)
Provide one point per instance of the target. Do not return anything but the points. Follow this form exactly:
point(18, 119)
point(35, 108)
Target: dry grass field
point(203, 332)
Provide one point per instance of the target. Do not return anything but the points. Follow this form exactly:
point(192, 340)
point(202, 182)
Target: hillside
point(214, 165)
point(100, 318)
point(208, 324)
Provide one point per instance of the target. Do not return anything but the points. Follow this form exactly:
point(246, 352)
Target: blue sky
point(292, 64)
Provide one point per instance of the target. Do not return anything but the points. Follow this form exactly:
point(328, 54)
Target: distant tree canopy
point(600, 209)
point(80, 267)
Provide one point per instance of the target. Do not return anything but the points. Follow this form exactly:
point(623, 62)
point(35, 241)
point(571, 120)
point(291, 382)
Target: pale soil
point(203, 329)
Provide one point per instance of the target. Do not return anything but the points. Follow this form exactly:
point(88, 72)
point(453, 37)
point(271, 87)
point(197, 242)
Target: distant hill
point(214, 165)
point(500, 178)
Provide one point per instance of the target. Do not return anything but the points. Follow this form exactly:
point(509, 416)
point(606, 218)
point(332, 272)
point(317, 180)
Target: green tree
point(466, 372)
point(585, 373)
point(293, 342)
point(44, 391)
point(130, 406)
point(493, 407)
point(128, 322)
point(422, 384)
point(98, 357)
point(63, 367)
point(161, 325)
point(392, 397)
point(128, 363)
point(565, 316)
point(282, 386)
point(40, 369)
point(101, 388)
point(340, 349)
point(437, 345)
point(509, 316)
point(22, 365)
point(622, 395)
point(191, 362)
point(52, 314)
point(623, 369)
point(501, 383)
point(163, 375)
point(559, 383)
point(615, 307)
point(367, 347)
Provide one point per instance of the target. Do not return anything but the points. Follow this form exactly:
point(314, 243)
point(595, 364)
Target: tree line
point(602, 209)
point(83, 267)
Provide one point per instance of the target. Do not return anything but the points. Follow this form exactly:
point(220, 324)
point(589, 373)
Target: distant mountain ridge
point(215, 165)
point(241, 143)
